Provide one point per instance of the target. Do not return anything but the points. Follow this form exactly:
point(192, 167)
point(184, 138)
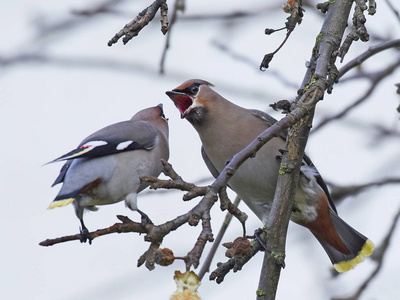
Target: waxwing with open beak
point(225, 129)
point(106, 166)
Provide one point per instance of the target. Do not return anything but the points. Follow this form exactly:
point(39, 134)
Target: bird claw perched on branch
point(200, 212)
point(127, 225)
point(156, 233)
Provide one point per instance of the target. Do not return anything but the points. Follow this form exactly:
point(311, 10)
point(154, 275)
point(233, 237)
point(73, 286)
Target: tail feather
point(366, 250)
point(61, 202)
point(358, 245)
point(63, 199)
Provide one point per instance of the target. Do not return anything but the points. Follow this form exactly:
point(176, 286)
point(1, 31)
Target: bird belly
point(126, 177)
point(308, 196)
point(256, 189)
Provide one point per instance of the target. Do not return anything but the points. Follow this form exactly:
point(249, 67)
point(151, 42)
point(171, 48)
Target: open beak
point(181, 100)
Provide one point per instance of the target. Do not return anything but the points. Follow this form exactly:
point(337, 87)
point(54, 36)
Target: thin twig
point(235, 263)
point(338, 193)
point(179, 6)
point(127, 225)
point(395, 11)
point(252, 64)
point(376, 78)
point(207, 262)
point(367, 54)
point(296, 16)
point(133, 28)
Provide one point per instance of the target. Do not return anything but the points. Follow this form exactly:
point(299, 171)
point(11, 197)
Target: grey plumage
point(106, 166)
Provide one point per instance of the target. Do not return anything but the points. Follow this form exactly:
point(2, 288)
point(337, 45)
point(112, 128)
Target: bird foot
point(145, 220)
point(85, 235)
point(257, 235)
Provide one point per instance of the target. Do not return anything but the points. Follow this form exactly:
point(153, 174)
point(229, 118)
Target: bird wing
point(214, 172)
point(269, 120)
point(116, 138)
point(63, 171)
point(306, 160)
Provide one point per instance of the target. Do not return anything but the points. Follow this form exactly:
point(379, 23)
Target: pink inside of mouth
point(182, 102)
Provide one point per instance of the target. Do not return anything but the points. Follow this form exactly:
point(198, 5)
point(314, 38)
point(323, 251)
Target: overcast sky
point(47, 108)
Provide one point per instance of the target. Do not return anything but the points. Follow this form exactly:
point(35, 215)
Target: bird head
point(191, 99)
point(154, 113)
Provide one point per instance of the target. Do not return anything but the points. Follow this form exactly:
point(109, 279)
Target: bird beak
point(162, 115)
point(182, 101)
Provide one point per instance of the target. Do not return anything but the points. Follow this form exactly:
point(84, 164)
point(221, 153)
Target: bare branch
point(103, 7)
point(133, 28)
point(375, 78)
point(235, 263)
point(282, 206)
point(338, 193)
point(127, 225)
point(179, 6)
point(164, 18)
point(252, 64)
point(392, 8)
point(359, 30)
point(156, 234)
point(296, 16)
point(148, 258)
point(207, 262)
point(315, 84)
point(205, 236)
point(367, 54)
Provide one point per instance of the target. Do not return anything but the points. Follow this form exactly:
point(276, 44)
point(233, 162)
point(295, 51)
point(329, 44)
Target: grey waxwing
point(106, 166)
point(225, 129)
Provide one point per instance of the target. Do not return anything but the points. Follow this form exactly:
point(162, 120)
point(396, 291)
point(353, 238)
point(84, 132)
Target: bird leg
point(279, 157)
point(145, 220)
point(84, 232)
point(259, 235)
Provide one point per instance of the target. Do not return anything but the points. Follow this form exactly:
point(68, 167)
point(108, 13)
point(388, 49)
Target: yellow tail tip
point(60, 203)
point(345, 266)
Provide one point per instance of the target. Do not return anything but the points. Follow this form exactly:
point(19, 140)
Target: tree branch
point(284, 198)
point(367, 54)
point(133, 28)
point(392, 8)
point(127, 225)
point(235, 263)
point(295, 10)
point(207, 262)
point(315, 84)
point(375, 78)
point(338, 193)
point(179, 6)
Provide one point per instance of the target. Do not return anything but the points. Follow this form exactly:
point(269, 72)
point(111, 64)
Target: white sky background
point(47, 109)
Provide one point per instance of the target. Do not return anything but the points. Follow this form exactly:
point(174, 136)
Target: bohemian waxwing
point(106, 166)
point(225, 129)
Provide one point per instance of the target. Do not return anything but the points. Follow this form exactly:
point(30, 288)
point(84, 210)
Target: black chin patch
point(197, 115)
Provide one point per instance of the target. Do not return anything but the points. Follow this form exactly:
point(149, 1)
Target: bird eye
point(194, 88)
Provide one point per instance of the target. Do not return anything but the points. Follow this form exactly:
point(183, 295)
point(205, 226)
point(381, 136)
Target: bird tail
point(358, 245)
point(61, 202)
